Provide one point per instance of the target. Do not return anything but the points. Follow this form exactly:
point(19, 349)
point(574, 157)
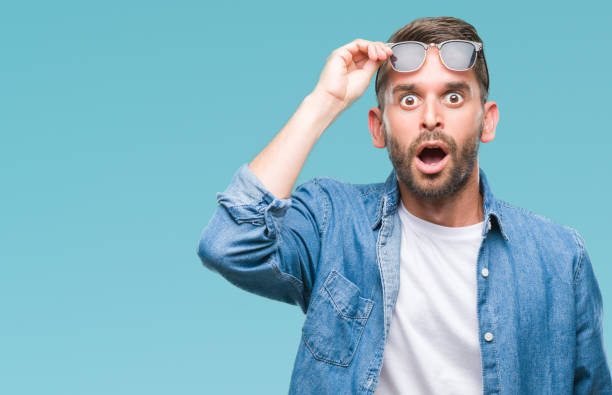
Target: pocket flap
point(346, 297)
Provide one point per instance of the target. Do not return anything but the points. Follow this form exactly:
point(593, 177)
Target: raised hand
point(350, 68)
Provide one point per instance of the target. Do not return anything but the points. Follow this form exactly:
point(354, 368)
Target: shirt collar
point(389, 200)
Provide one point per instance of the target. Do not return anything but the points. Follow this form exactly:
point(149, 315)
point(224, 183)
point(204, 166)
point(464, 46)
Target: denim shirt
point(332, 248)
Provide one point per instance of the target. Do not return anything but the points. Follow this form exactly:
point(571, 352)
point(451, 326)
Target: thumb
point(371, 66)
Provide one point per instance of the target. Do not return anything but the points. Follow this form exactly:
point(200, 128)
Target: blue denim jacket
point(332, 248)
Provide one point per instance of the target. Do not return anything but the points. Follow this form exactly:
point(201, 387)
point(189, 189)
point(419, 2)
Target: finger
point(372, 52)
point(360, 57)
point(388, 51)
point(363, 61)
point(385, 50)
point(346, 55)
point(357, 46)
point(361, 49)
point(371, 67)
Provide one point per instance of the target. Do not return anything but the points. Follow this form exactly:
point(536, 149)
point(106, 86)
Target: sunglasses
point(457, 55)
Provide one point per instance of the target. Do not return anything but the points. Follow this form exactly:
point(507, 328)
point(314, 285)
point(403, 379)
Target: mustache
point(428, 135)
point(433, 135)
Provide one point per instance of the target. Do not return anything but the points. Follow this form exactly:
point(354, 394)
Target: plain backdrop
point(120, 120)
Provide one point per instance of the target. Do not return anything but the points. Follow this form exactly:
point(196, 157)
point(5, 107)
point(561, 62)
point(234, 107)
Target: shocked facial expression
point(433, 123)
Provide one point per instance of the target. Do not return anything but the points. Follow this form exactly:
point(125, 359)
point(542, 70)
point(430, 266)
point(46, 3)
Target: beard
point(443, 184)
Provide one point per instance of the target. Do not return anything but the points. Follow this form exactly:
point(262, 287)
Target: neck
point(464, 208)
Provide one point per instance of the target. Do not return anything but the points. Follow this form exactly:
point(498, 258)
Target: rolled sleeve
point(247, 200)
point(263, 244)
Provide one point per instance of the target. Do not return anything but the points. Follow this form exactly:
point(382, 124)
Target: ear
point(376, 126)
point(491, 116)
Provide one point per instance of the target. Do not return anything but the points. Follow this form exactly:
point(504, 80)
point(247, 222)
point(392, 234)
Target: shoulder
point(335, 188)
point(527, 220)
point(535, 233)
point(336, 197)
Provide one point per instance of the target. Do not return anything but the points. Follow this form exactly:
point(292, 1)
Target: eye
point(454, 98)
point(409, 100)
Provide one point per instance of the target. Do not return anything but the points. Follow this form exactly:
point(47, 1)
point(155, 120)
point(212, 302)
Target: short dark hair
point(435, 30)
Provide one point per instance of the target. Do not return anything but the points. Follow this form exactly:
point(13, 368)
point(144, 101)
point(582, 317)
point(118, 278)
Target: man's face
point(440, 108)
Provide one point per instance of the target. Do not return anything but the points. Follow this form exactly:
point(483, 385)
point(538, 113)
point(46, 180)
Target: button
point(485, 272)
point(488, 336)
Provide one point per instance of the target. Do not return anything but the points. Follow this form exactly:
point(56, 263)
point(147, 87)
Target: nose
point(432, 115)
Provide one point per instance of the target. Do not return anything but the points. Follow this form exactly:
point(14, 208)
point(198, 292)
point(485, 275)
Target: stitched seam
point(370, 191)
point(382, 277)
point(296, 282)
point(525, 211)
point(344, 315)
point(368, 302)
point(230, 194)
point(256, 206)
point(326, 206)
point(531, 213)
point(581, 249)
point(323, 359)
point(350, 358)
point(246, 205)
point(494, 327)
point(361, 321)
point(500, 213)
point(501, 390)
point(361, 332)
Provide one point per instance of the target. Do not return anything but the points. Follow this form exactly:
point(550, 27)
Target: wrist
point(326, 101)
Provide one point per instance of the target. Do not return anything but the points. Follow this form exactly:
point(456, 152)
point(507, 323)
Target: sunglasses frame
point(477, 47)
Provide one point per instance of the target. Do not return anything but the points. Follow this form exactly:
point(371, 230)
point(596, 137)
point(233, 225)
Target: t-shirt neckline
point(422, 226)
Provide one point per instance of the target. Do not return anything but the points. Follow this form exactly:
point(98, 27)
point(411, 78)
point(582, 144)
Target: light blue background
point(120, 121)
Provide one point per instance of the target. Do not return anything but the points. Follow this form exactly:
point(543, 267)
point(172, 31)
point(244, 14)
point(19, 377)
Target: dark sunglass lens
point(407, 56)
point(458, 55)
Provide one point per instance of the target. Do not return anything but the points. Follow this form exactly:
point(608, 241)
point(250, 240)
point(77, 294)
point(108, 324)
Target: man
point(426, 283)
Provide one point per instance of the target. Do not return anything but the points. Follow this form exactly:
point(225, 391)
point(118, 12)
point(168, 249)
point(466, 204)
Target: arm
point(345, 77)
point(261, 237)
point(265, 245)
point(592, 372)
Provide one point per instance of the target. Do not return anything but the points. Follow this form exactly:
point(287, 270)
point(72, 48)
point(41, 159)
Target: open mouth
point(432, 157)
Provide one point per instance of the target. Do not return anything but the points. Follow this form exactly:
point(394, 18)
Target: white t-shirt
point(433, 345)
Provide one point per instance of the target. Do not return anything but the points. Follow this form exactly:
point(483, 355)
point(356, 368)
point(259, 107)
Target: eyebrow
point(455, 85)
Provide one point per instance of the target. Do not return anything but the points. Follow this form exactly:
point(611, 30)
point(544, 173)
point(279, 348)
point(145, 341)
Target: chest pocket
point(335, 320)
